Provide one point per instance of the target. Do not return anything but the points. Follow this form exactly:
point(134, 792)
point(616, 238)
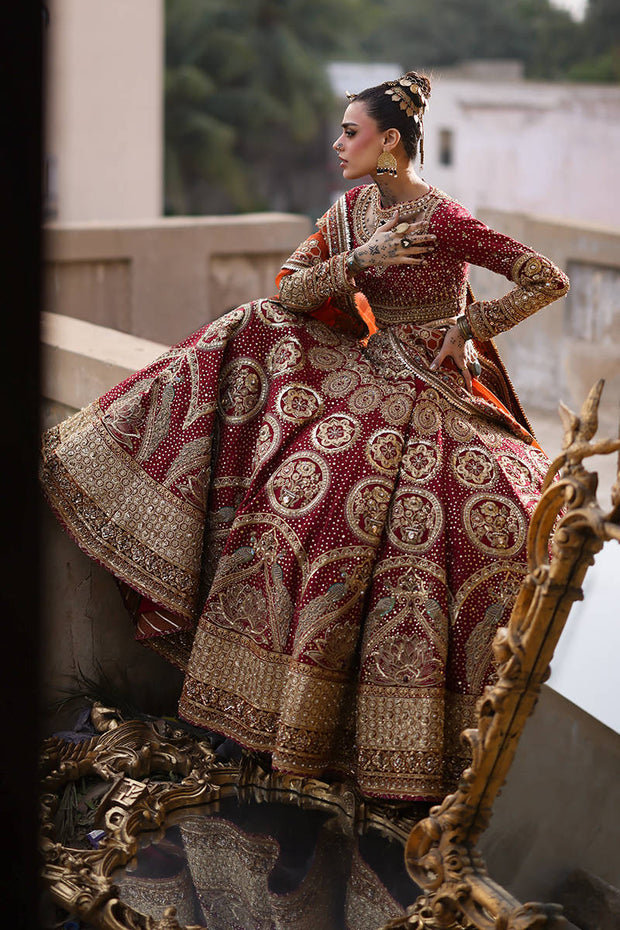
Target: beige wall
point(104, 89)
point(163, 279)
point(562, 350)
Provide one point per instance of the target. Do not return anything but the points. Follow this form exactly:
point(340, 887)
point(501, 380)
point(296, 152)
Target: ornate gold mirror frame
point(440, 850)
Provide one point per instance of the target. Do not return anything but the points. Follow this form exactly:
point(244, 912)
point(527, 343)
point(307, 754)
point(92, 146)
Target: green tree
point(600, 58)
point(247, 95)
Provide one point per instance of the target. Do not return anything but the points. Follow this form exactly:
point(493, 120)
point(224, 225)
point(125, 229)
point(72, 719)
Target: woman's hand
point(454, 347)
point(396, 243)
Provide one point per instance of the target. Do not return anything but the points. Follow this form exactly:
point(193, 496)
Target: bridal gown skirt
point(324, 535)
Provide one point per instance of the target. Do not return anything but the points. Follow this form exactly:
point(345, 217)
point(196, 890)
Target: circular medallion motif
point(326, 358)
point(365, 399)
point(340, 383)
point(269, 437)
point(426, 418)
point(397, 409)
point(299, 484)
point(383, 450)
point(457, 426)
point(335, 433)
point(538, 459)
point(473, 467)
point(415, 520)
point(494, 524)
point(297, 403)
point(242, 390)
point(421, 460)
point(217, 333)
point(517, 472)
point(286, 356)
point(490, 434)
point(367, 505)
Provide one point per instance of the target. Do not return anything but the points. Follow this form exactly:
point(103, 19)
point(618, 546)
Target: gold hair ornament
point(400, 92)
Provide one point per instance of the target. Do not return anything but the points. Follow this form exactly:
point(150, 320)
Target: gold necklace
point(373, 214)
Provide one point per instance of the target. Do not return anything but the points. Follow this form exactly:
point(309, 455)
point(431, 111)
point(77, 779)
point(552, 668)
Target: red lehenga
point(320, 531)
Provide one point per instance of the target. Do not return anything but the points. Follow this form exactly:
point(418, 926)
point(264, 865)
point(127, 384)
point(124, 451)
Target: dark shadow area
point(21, 28)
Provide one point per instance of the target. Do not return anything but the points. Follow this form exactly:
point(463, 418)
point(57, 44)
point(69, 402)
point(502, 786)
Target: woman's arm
point(309, 277)
point(538, 281)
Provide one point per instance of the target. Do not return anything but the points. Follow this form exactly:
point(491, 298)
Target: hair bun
point(421, 80)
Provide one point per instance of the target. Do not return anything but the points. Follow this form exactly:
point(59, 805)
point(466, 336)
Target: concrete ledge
point(81, 361)
point(162, 279)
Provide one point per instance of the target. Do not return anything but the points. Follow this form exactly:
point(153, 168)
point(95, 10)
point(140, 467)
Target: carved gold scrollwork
point(440, 852)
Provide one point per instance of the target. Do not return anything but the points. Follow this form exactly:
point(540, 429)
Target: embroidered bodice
point(436, 290)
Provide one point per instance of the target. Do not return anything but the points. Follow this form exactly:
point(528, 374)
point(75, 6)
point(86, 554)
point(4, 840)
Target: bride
point(317, 505)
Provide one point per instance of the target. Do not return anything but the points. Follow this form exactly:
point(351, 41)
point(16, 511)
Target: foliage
point(247, 101)
point(245, 82)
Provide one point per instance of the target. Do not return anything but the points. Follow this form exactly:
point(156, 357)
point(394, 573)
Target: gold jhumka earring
point(387, 164)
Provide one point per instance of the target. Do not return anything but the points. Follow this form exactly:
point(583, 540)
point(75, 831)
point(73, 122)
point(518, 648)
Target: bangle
point(352, 263)
point(463, 324)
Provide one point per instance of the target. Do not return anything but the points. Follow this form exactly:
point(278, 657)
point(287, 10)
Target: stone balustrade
point(161, 280)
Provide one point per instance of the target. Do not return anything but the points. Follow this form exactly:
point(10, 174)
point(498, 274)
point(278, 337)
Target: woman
point(323, 528)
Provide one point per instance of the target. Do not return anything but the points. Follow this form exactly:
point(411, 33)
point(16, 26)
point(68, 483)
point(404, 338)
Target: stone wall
point(163, 279)
point(562, 350)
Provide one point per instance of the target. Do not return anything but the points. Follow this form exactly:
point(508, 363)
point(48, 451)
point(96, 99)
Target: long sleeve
point(538, 281)
point(309, 277)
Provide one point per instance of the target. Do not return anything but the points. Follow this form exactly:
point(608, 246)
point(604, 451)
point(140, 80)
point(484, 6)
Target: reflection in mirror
point(271, 864)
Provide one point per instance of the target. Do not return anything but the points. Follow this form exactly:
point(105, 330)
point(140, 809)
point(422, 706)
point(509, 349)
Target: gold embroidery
point(473, 467)
point(457, 426)
point(297, 403)
point(286, 356)
point(299, 484)
point(340, 383)
point(426, 417)
point(365, 399)
point(335, 433)
point(311, 286)
point(396, 409)
point(494, 524)
point(217, 333)
point(269, 438)
point(367, 505)
point(415, 520)
point(539, 282)
point(421, 461)
point(326, 358)
point(383, 450)
point(242, 391)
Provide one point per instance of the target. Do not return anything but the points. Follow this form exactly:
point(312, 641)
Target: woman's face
point(359, 144)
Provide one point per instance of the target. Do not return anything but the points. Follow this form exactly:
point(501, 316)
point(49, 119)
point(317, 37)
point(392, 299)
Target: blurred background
point(193, 107)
